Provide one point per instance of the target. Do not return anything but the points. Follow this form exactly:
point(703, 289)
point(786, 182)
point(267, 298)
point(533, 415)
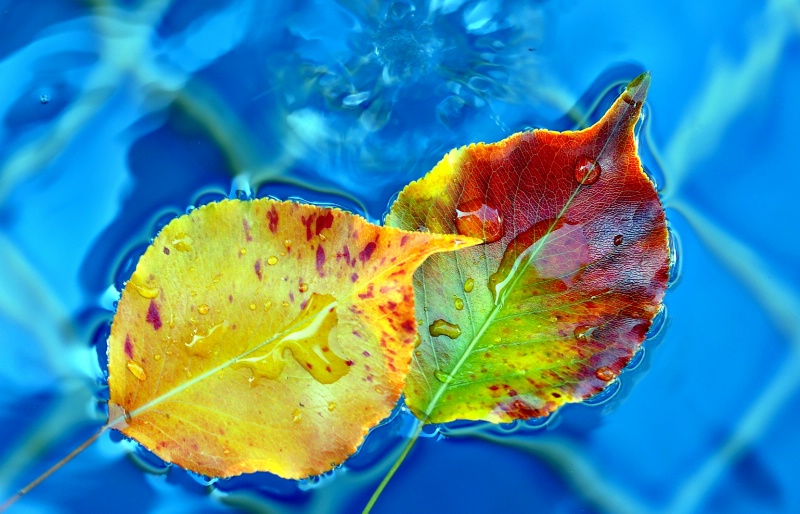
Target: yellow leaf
point(265, 336)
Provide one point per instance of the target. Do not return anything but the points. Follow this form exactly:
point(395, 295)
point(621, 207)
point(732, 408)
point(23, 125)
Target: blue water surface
point(118, 115)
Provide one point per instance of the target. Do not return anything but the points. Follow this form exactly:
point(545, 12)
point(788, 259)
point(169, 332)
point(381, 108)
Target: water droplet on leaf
point(202, 309)
point(297, 416)
point(303, 287)
point(243, 251)
point(307, 344)
point(441, 327)
point(469, 285)
point(526, 246)
point(137, 370)
point(459, 303)
point(272, 260)
point(605, 374)
point(587, 171)
point(580, 332)
point(182, 243)
point(440, 375)
point(477, 219)
point(331, 406)
point(144, 291)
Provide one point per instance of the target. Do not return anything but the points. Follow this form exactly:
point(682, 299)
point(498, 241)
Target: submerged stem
point(55, 467)
point(395, 466)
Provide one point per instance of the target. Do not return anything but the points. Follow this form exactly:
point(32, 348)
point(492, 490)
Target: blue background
point(116, 116)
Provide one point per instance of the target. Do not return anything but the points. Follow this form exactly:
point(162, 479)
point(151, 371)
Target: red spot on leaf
point(368, 294)
point(308, 222)
point(320, 261)
point(404, 240)
point(494, 387)
point(365, 254)
point(166, 251)
point(257, 267)
point(409, 326)
point(346, 255)
point(349, 362)
point(128, 346)
point(366, 353)
point(153, 317)
point(353, 277)
point(324, 221)
point(272, 218)
point(247, 229)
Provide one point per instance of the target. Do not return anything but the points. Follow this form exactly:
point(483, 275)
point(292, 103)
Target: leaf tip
point(636, 91)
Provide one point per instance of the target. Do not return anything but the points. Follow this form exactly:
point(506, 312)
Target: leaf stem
point(395, 466)
point(55, 467)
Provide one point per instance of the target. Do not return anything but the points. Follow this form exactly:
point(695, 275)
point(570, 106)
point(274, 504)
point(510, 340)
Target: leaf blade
point(265, 336)
point(546, 203)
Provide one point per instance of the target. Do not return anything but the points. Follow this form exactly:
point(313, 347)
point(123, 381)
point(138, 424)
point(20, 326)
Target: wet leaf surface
point(560, 297)
point(265, 336)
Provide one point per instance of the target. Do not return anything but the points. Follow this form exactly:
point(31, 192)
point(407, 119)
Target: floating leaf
point(560, 297)
point(265, 336)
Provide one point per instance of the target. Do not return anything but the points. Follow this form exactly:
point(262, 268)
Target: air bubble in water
point(450, 111)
